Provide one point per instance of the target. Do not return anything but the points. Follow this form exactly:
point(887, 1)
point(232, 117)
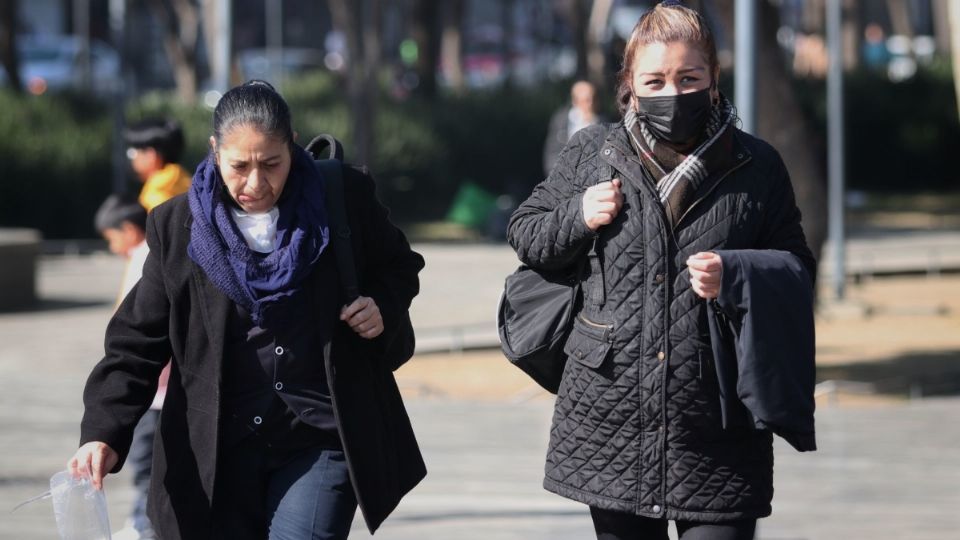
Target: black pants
point(611, 525)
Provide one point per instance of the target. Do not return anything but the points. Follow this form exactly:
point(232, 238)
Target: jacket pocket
point(589, 342)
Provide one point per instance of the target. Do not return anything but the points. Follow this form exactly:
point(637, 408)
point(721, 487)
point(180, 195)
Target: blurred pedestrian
point(875, 53)
point(568, 120)
point(640, 429)
point(122, 222)
point(154, 147)
point(282, 413)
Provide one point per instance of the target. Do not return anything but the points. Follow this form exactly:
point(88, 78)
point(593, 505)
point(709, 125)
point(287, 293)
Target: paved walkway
point(885, 470)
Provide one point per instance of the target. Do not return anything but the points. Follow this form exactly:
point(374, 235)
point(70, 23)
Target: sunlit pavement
point(887, 470)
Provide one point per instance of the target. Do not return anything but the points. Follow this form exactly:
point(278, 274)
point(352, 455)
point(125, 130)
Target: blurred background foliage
point(901, 136)
point(55, 148)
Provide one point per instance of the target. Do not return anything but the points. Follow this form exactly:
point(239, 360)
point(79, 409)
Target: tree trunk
point(851, 33)
point(900, 17)
point(451, 48)
point(425, 30)
point(180, 34)
point(953, 14)
point(371, 87)
point(359, 22)
point(8, 43)
point(577, 12)
point(220, 61)
point(506, 52)
point(596, 60)
point(941, 24)
point(781, 122)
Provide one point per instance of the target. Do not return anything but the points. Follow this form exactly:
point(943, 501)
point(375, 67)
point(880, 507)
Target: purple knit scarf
point(260, 283)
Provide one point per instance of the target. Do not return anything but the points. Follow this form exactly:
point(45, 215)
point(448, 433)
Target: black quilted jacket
point(637, 424)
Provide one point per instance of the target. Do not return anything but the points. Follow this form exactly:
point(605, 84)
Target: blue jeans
point(140, 460)
point(263, 492)
point(311, 497)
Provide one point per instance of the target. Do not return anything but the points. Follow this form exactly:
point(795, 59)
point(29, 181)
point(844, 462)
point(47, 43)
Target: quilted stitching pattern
point(640, 431)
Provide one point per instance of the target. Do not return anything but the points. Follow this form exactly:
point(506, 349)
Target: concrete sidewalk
point(885, 470)
point(462, 283)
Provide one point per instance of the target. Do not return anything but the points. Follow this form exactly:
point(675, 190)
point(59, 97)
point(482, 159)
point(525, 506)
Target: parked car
point(54, 62)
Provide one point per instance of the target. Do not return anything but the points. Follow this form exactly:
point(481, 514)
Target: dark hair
point(163, 135)
point(256, 104)
point(667, 22)
point(119, 209)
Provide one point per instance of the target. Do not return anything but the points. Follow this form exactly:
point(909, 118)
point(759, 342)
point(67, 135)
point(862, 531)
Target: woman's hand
point(364, 317)
point(601, 203)
point(94, 459)
point(706, 270)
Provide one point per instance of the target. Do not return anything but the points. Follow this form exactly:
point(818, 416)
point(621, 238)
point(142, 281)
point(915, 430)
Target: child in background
point(154, 149)
point(122, 222)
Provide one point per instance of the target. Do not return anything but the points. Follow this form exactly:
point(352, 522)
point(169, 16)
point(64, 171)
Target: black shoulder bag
point(537, 309)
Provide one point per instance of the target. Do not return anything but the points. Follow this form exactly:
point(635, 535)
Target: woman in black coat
point(638, 431)
point(282, 414)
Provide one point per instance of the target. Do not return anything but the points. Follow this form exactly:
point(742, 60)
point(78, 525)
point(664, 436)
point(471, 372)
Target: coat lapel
point(215, 306)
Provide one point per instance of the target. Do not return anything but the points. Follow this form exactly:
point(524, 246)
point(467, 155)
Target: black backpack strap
point(332, 172)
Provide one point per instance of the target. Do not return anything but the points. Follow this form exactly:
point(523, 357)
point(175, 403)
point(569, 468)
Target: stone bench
point(19, 249)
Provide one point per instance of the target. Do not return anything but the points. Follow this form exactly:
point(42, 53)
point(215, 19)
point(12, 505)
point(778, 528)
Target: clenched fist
point(706, 270)
point(364, 317)
point(602, 203)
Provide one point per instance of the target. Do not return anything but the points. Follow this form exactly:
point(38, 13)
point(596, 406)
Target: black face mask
point(676, 119)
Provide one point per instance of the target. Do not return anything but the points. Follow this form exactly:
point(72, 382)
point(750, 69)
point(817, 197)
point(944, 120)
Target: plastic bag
point(79, 508)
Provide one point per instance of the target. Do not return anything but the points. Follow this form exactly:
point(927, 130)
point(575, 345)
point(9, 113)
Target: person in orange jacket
point(154, 149)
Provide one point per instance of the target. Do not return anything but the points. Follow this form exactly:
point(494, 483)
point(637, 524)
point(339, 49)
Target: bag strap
point(597, 293)
point(325, 143)
point(332, 172)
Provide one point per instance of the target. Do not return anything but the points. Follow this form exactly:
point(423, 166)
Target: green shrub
point(55, 156)
point(55, 149)
point(899, 136)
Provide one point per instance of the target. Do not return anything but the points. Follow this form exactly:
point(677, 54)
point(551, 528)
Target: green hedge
point(54, 163)
point(55, 149)
point(899, 136)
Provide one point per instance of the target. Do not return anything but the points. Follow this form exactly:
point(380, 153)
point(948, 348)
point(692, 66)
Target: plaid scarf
point(679, 176)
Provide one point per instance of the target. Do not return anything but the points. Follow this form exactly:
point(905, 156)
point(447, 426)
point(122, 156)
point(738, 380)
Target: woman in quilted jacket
point(638, 430)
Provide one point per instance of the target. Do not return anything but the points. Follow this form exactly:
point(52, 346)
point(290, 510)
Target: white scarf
point(259, 230)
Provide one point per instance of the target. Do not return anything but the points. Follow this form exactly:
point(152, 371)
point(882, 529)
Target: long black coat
point(637, 425)
point(176, 312)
